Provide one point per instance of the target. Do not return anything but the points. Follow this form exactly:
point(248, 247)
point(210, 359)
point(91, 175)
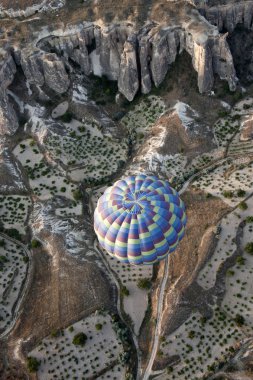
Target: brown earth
point(182, 294)
point(62, 290)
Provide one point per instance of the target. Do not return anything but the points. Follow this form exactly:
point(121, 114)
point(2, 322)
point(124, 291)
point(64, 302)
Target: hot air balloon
point(140, 219)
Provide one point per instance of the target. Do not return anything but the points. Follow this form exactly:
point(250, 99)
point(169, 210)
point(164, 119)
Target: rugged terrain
point(92, 91)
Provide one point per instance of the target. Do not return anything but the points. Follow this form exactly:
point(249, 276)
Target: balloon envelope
point(140, 219)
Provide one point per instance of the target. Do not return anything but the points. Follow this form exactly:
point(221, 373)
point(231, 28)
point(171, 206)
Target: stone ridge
point(136, 58)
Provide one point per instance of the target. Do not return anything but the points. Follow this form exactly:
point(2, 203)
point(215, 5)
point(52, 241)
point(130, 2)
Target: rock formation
point(8, 118)
point(136, 58)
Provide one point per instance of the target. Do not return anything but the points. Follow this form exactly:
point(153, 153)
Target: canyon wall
point(136, 58)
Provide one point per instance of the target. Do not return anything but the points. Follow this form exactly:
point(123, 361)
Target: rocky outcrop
point(228, 15)
point(55, 74)
point(128, 81)
point(139, 59)
point(8, 117)
point(21, 8)
point(45, 68)
point(12, 177)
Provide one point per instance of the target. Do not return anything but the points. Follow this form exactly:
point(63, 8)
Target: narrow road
point(159, 321)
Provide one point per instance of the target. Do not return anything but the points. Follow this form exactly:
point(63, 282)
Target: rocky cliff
point(8, 118)
point(137, 58)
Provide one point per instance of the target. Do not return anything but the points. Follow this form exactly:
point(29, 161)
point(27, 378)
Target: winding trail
point(159, 321)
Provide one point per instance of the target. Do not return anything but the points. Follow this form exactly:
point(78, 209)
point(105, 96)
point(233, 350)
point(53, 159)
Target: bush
point(239, 320)
point(79, 339)
point(243, 206)
point(55, 333)
point(124, 291)
point(67, 117)
point(249, 248)
point(241, 193)
point(240, 260)
point(191, 334)
point(227, 193)
point(169, 369)
point(77, 195)
point(35, 244)
point(99, 326)
point(223, 113)
point(33, 364)
point(230, 272)
point(144, 283)
point(249, 219)
point(2, 243)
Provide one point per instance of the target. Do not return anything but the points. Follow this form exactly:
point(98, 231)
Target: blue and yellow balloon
point(140, 219)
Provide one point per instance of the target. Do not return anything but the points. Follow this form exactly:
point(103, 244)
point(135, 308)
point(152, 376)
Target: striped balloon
point(140, 219)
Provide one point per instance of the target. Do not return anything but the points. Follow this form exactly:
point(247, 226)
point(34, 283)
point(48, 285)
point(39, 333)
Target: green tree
point(228, 193)
point(33, 364)
point(77, 195)
point(241, 193)
point(239, 320)
point(249, 248)
point(35, 243)
point(124, 291)
point(144, 283)
point(243, 205)
point(79, 339)
point(191, 334)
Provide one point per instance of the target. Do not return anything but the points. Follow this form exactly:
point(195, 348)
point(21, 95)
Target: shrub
point(230, 272)
point(241, 193)
point(223, 113)
point(191, 334)
point(77, 194)
point(169, 369)
point(144, 283)
point(33, 364)
point(240, 260)
point(249, 219)
point(35, 243)
point(2, 243)
point(249, 248)
point(67, 117)
point(227, 193)
point(55, 333)
point(239, 320)
point(243, 206)
point(79, 339)
point(124, 291)
point(99, 326)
